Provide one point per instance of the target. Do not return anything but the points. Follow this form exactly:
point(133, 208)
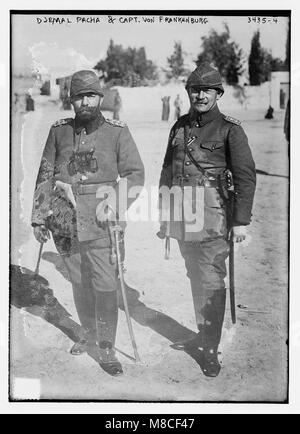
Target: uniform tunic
point(116, 154)
point(199, 150)
point(81, 240)
point(215, 142)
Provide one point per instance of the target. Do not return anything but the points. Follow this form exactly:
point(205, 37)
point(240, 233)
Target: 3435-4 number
point(262, 20)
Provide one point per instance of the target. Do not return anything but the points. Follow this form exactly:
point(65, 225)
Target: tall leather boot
point(84, 300)
point(85, 306)
point(106, 311)
point(203, 347)
point(211, 331)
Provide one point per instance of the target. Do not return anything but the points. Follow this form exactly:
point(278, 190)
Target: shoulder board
point(62, 122)
point(115, 123)
point(232, 120)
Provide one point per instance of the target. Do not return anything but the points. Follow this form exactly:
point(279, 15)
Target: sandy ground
point(254, 351)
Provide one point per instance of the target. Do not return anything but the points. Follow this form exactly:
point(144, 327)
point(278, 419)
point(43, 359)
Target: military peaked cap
point(205, 75)
point(85, 81)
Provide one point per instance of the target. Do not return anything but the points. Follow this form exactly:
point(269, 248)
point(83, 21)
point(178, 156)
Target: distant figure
point(64, 88)
point(178, 107)
point(29, 103)
point(282, 99)
point(240, 94)
point(286, 127)
point(17, 98)
point(117, 106)
point(269, 114)
point(65, 97)
point(45, 89)
point(165, 108)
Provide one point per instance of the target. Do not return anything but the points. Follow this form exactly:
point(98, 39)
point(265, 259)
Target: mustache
point(87, 113)
point(86, 109)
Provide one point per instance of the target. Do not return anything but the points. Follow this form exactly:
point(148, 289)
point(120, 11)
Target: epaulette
point(62, 122)
point(232, 120)
point(115, 123)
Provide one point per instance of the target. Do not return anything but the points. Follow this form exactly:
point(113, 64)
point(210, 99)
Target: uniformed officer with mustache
point(203, 146)
point(82, 156)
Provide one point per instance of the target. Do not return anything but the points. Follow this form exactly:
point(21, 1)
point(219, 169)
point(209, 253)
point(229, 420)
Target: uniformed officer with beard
point(203, 145)
point(82, 158)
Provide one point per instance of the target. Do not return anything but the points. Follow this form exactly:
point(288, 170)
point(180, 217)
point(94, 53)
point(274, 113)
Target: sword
point(115, 231)
point(230, 209)
point(231, 279)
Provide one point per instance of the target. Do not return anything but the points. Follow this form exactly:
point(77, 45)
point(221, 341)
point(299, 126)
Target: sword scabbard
point(231, 280)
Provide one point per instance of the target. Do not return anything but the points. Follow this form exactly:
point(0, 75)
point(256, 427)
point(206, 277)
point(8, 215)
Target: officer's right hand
point(41, 233)
point(239, 233)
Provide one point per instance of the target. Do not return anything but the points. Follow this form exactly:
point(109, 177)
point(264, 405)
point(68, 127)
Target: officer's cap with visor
point(205, 76)
point(83, 82)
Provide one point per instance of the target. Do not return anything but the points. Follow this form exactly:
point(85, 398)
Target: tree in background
point(261, 62)
point(256, 64)
point(176, 63)
point(224, 53)
point(126, 66)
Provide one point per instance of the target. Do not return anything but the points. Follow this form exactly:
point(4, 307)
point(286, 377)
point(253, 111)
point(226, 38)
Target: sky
point(77, 41)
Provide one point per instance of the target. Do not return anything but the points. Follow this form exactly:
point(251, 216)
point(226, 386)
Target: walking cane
point(116, 230)
point(39, 260)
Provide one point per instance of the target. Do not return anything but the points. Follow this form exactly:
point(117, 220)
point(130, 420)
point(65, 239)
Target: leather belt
point(204, 181)
point(90, 188)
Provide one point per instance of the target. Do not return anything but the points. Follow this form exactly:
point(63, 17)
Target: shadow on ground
point(157, 321)
point(32, 293)
point(262, 172)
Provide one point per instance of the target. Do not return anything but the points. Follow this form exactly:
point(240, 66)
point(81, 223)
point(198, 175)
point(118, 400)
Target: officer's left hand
point(239, 233)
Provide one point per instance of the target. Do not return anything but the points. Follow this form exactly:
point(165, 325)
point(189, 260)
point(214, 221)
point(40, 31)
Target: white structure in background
point(279, 89)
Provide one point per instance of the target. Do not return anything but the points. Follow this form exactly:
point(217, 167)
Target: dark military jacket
point(199, 150)
point(117, 156)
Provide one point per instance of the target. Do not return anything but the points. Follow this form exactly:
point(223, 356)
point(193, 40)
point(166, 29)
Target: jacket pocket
point(211, 145)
